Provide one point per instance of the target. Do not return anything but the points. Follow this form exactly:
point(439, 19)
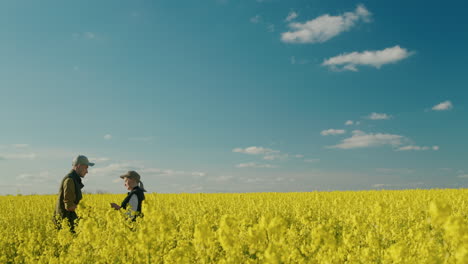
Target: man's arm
point(69, 195)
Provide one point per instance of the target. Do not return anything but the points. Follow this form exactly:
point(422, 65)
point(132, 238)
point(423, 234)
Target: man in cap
point(70, 192)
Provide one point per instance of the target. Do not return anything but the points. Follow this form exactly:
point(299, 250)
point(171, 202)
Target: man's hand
point(115, 206)
point(71, 208)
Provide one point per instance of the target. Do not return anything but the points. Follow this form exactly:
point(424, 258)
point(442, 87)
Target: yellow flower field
point(411, 226)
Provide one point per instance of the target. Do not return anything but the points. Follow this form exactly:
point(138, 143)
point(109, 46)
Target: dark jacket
point(69, 193)
point(139, 194)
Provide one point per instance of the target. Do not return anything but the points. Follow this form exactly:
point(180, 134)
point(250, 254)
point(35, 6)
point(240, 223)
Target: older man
point(70, 192)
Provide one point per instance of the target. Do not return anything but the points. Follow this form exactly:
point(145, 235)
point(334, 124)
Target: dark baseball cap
point(131, 175)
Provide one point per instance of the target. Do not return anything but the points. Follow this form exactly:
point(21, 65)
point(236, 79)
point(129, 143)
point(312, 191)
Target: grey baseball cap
point(83, 160)
point(131, 175)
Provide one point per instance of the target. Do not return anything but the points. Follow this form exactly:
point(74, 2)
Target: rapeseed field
point(408, 226)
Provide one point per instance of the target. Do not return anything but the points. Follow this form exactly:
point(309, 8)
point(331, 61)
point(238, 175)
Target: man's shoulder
point(68, 181)
point(71, 175)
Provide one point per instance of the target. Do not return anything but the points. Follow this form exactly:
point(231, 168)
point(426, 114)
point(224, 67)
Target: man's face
point(82, 170)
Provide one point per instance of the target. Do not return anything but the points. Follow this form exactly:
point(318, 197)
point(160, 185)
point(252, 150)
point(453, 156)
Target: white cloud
point(377, 58)
point(447, 105)
point(394, 170)
point(269, 157)
point(291, 16)
point(223, 178)
point(252, 180)
point(299, 156)
point(276, 157)
point(398, 186)
point(269, 154)
point(20, 145)
point(194, 188)
point(324, 27)
point(24, 176)
point(377, 116)
point(255, 150)
point(255, 165)
point(89, 35)
point(311, 160)
point(26, 156)
point(417, 148)
point(256, 19)
point(332, 132)
point(103, 159)
point(464, 176)
point(446, 169)
point(117, 169)
point(151, 170)
point(170, 172)
point(271, 28)
point(108, 137)
point(198, 174)
point(349, 123)
point(36, 177)
point(362, 140)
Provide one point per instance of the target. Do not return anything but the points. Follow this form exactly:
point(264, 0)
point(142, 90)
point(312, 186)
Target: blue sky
point(234, 96)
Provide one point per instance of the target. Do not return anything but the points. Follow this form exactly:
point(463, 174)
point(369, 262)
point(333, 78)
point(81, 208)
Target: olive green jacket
point(69, 193)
